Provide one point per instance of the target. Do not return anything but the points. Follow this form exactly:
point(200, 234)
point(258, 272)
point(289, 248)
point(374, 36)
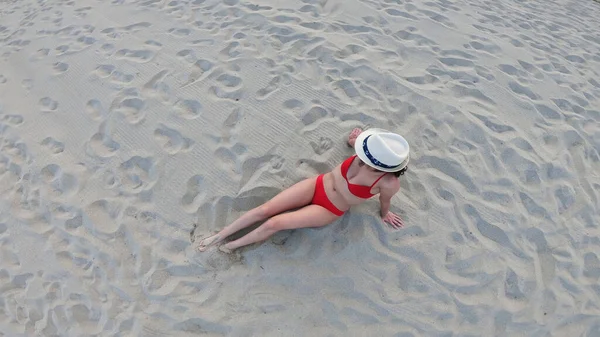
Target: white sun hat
point(382, 149)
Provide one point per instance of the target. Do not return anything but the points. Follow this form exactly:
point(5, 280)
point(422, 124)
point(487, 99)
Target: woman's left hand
point(393, 220)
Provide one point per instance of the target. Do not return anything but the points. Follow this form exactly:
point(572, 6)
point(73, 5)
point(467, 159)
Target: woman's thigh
point(308, 216)
point(298, 195)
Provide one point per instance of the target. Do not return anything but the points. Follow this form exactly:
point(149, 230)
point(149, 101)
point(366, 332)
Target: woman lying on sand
point(381, 157)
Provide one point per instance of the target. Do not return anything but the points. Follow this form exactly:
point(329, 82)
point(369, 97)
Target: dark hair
point(401, 172)
point(397, 173)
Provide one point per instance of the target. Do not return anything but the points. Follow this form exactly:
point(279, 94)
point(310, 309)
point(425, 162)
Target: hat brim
point(358, 148)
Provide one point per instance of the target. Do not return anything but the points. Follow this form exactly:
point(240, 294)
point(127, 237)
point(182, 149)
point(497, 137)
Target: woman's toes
point(353, 134)
point(205, 243)
point(202, 247)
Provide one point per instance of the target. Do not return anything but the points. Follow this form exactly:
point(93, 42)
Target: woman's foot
point(353, 135)
point(207, 242)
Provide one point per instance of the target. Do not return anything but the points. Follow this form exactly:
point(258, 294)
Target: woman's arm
point(388, 189)
point(386, 192)
point(385, 202)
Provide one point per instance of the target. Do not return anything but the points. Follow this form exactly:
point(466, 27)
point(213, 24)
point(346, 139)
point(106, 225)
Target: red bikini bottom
point(320, 198)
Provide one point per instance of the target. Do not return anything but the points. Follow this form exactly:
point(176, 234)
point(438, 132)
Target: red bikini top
point(360, 191)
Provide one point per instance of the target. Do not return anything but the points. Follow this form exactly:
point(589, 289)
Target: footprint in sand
point(14, 120)
point(179, 32)
point(10, 172)
point(313, 115)
point(107, 49)
point(60, 68)
point(200, 70)
point(276, 163)
point(137, 174)
point(120, 78)
point(101, 144)
point(131, 105)
point(15, 151)
point(47, 104)
point(60, 181)
point(109, 71)
point(229, 86)
point(230, 125)
point(153, 44)
point(136, 27)
point(171, 140)
point(111, 33)
point(346, 91)
point(103, 215)
point(273, 86)
point(40, 54)
point(84, 42)
point(157, 87)
point(230, 156)
point(187, 55)
point(62, 49)
point(95, 110)
point(138, 56)
point(231, 52)
point(194, 194)
point(293, 105)
point(104, 70)
point(230, 82)
point(323, 145)
point(234, 95)
point(132, 108)
point(53, 145)
point(188, 108)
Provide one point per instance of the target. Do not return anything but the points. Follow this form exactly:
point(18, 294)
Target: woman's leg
point(295, 196)
point(309, 216)
point(352, 136)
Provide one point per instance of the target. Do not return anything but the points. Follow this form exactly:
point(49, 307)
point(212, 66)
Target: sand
point(129, 129)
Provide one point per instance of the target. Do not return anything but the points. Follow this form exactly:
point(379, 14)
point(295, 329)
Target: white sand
point(123, 123)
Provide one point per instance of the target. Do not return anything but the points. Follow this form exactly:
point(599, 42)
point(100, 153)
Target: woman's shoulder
point(389, 181)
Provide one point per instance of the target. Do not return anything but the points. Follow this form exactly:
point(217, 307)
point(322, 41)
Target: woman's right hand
point(395, 221)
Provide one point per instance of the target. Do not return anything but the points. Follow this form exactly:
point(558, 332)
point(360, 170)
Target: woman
point(381, 157)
